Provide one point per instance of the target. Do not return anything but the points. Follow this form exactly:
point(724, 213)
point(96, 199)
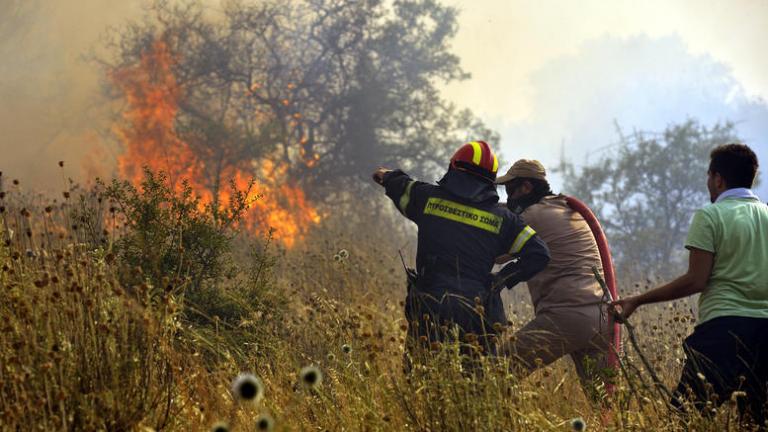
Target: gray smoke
point(51, 107)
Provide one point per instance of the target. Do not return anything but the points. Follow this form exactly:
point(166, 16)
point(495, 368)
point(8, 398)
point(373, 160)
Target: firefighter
point(461, 230)
point(566, 296)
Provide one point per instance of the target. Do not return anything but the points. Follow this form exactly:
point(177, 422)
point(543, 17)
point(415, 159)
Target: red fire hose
point(610, 276)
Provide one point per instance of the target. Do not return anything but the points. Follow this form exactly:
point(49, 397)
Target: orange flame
point(148, 134)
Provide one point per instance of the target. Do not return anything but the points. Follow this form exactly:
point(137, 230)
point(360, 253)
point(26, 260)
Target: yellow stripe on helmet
point(495, 164)
point(477, 153)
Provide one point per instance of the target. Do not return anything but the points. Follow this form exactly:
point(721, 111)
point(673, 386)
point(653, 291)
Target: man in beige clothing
point(566, 297)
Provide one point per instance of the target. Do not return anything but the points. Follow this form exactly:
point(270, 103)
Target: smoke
point(637, 83)
point(51, 107)
point(51, 104)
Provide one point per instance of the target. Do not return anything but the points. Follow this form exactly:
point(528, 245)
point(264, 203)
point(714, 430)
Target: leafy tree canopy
point(331, 88)
point(645, 192)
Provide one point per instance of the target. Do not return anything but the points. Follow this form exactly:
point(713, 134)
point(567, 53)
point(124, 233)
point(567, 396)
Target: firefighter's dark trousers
point(447, 314)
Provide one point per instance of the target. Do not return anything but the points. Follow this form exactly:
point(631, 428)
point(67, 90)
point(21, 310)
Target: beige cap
point(528, 168)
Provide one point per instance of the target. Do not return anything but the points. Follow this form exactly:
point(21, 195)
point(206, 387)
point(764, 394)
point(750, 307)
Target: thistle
point(265, 422)
point(310, 377)
point(578, 424)
point(220, 427)
point(248, 387)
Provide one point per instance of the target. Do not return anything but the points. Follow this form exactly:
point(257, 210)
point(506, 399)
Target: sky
point(551, 76)
point(557, 77)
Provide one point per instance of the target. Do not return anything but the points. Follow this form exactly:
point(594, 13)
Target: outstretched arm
point(694, 281)
point(401, 189)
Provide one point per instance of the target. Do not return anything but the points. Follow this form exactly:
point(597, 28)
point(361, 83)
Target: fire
point(149, 137)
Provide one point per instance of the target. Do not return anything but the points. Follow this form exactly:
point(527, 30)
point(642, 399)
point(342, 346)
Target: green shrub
point(171, 233)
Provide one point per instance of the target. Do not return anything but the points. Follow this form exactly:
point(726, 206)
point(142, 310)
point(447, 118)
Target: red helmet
point(477, 158)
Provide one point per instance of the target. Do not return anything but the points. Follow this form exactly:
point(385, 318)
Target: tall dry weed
point(94, 338)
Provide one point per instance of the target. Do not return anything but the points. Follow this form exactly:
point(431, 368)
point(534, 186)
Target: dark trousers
point(723, 356)
point(439, 313)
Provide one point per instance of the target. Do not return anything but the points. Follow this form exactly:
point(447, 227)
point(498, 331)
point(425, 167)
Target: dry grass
point(79, 350)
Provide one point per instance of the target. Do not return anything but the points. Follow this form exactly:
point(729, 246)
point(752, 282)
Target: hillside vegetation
point(135, 309)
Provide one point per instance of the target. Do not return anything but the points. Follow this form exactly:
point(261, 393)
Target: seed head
point(343, 254)
point(337, 257)
point(265, 422)
point(248, 387)
point(737, 394)
point(310, 377)
point(578, 424)
point(220, 427)
point(346, 349)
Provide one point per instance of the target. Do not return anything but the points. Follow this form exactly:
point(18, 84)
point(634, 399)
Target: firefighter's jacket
point(461, 230)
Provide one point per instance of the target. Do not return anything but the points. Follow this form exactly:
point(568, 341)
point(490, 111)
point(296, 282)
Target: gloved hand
point(499, 282)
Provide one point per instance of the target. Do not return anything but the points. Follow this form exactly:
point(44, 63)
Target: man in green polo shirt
point(728, 265)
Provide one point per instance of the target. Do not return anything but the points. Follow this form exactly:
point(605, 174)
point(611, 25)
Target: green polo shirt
point(735, 230)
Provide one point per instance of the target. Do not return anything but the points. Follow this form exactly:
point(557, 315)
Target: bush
point(110, 295)
point(169, 233)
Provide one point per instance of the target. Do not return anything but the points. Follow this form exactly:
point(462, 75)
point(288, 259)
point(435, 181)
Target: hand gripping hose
point(610, 277)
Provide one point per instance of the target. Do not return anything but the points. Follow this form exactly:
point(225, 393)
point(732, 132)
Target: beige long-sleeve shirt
point(568, 280)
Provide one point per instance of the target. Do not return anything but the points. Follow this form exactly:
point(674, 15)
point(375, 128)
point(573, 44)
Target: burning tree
point(152, 139)
point(315, 91)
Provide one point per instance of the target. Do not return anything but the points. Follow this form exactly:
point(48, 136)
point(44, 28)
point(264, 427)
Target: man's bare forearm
point(683, 286)
point(700, 264)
